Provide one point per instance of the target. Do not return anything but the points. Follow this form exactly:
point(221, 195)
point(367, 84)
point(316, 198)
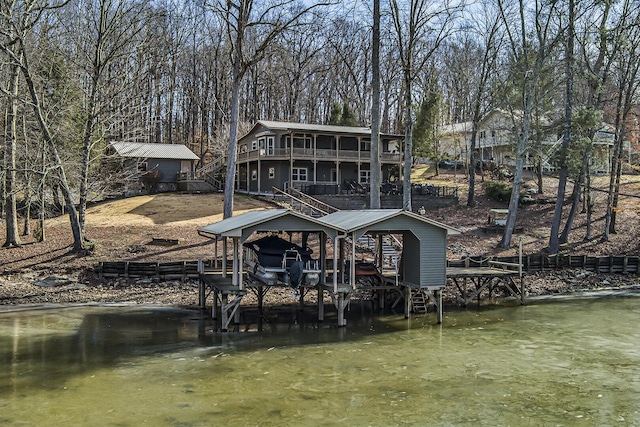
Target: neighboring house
point(496, 141)
point(173, 162)
point(317, 159)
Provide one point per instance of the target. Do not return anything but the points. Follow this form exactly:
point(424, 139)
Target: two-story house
point(317, 159)
point(496, 141)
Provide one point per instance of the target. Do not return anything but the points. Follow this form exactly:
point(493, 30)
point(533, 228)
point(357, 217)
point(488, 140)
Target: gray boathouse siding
point(424, 250)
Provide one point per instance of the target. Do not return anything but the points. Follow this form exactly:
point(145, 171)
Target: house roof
point(456, 128)
point(154, 151)
point(351, 220)
point(312, 128)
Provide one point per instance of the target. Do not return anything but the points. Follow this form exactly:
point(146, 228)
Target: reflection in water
point(567, 363)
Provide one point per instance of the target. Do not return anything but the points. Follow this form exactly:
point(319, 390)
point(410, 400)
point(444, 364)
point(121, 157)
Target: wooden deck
point(472, 282)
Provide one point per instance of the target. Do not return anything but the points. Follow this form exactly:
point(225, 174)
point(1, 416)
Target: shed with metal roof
point(169, 163)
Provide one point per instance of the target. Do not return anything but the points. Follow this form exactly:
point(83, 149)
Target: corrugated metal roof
point(234, 225)
point(241, 221)
point(315, 128)
point(154, 151)
point(341, 221)
point(359, 219)
point(312, 128)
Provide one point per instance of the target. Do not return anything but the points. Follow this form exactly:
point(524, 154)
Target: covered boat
point(273, 260)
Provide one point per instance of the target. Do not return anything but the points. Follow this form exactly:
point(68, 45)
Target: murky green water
point(561, 363)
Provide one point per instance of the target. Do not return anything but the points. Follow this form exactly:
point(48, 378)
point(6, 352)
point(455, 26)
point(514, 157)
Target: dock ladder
point(418, 301)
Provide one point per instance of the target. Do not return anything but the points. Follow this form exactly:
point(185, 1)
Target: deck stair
point(211, 171)
point(546, 156)
point(390, 251)
point(301, 202)
point(419, 301)
point(308, 205)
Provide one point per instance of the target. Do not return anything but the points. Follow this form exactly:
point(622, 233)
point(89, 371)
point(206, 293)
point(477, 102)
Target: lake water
point(566, 362)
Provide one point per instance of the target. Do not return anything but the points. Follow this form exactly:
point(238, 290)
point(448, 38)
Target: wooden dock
point(471, 282)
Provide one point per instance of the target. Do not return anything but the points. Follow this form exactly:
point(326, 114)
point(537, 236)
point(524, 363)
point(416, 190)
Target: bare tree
point(266, 25)
point(531, 40)
point(490, 37)
point(375, 172)
point(554, 240)
point(419, 28)
point(21, 20)
point(628, 82)
point(11, 93)
point(110, 27)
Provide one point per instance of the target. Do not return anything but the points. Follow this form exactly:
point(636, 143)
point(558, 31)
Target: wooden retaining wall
point(180, 270)
point(540, 262)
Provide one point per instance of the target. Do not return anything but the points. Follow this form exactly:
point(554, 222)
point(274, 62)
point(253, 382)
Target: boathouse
point(422, 243)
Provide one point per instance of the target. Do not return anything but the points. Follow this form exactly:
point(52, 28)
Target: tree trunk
point(554, 241)
point(229, 183)
point(11, 215)
point(539, 175)
point(408, 144)
point(471, 201)
point(375, 178)
point(575, 197)
point(588, 201)
point(78, 239)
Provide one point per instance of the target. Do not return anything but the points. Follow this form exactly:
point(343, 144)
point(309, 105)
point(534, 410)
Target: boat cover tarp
point(271, 249)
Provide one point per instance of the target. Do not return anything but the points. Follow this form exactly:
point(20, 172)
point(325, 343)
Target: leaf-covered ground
point(124, 230)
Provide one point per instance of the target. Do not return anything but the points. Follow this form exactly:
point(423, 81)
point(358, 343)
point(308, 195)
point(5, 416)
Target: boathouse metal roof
point(351, 220)
point(264, 220)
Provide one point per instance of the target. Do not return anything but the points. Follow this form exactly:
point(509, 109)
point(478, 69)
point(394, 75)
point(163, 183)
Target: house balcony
point(318, 154)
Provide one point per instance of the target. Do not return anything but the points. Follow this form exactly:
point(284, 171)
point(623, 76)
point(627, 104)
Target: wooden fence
point(180, 270)
point(183, 270)
point(541, 262)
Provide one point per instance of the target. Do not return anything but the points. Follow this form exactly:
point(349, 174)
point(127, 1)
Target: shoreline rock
point(42, 287)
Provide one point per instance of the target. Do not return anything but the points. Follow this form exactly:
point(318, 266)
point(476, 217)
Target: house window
point(301, 142)
point(272, 173)
point(365, 145)
point(254, 145)
point(299, 174)
point(364, 176)
point(142, 167)
point(270, 146)
point(254, 174)
point(482, 134)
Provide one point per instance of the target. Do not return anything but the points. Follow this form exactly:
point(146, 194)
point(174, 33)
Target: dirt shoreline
point(38, 288)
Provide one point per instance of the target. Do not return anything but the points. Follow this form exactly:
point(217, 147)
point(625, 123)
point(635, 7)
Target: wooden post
point(352, 270)
point(335, 264)
point(224, 257)
point(201, 286)
point(439, 303)
point(223, 309)
point(320, 302)
point(341, 306)
point(215, 253)
point(407, 301)
point(520, 273)
point(214, 304)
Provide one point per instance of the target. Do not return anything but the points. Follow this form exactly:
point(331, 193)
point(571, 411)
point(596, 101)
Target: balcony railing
point(319, 154)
